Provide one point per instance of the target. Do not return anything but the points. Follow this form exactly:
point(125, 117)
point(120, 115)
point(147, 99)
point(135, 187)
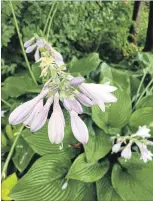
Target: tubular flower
point(79, 128)
point(99, 93)
point(138, 138)
point(56, 123)
point(143, 132)
point(60, 86)
point(127, 153)
point(146, 155)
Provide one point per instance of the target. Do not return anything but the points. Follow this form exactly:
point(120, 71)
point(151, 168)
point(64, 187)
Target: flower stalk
point(4, 171)
point(21, 43)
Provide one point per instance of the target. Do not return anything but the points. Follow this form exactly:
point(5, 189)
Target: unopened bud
point(77, 81)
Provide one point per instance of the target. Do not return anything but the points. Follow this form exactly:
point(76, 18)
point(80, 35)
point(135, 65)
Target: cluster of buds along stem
point(59, 86)
point(124, 144)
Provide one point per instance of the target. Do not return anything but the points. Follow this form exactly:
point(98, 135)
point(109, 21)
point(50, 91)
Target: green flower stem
point(52, 6)
point(5, 102)
point(147, 87)
point(11, 153)
point(50, 23)
point(140, 85)
point(21, 43)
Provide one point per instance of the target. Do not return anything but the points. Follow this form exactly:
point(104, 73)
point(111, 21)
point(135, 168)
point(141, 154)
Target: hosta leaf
point(23, 154)
point(40, 142)
point(16, 86)
point(45, 179)
point(85, 65)
point(87, 172)
point(98, 146)
point(105, 190)
point(145, 102)
point(121, 109)
point(133, 179)
point(7, 186)
point(142, 116)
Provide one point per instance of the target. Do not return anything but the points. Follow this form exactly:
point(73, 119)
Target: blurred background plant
point(103, 41)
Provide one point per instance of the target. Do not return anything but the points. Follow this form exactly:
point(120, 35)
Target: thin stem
point(21, 43)
point(5, 102)
point(140, 85)
point(149, 84)
point(50, 23)
point(52, 6)
point(11, 153)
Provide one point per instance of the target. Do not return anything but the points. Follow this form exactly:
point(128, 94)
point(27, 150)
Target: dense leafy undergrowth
point(39, 170)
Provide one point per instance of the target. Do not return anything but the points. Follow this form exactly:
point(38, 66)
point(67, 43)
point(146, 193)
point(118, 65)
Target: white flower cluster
point(59, 86)
point(138, 138)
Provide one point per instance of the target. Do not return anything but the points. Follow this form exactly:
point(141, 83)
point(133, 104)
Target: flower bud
point(116, 147)
point(37, 56)
point(30, 48)
point(77, 81)
point(40, 43)
point(29, 42)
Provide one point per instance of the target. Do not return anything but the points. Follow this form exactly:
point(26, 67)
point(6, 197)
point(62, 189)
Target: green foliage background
point(92, 37)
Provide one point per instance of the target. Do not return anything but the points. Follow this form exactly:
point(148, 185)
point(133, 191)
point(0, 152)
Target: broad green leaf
point(105, 190)
point(87, 172)
point(146, 60)
point(98, 146)
point(40, 143)
point(23, 154)
point(45, 179)
point(133, 179)
point(117, 114)
point(7, 186)
point(16, 86)
point(85, 65)
point(3, 140)
point(145, 102)
point(142, 116)
point(9, 131)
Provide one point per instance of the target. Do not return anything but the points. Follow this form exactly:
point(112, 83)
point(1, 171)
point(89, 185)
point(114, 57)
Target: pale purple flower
point(116, 147)
point(82, 98)
point(127, 153)
point(40, 43)
point(56, 123)
point(143, 132)
point(37, 108)
point(79, 128)
point(73, 105)
point(29, 42)
point(31, 48)
point(48, 46)
point(146, 155)
point(21, 113)
point(57, 57)
point(37, 55)
point(99, 93)
point(77, 81)
point(41, 117)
